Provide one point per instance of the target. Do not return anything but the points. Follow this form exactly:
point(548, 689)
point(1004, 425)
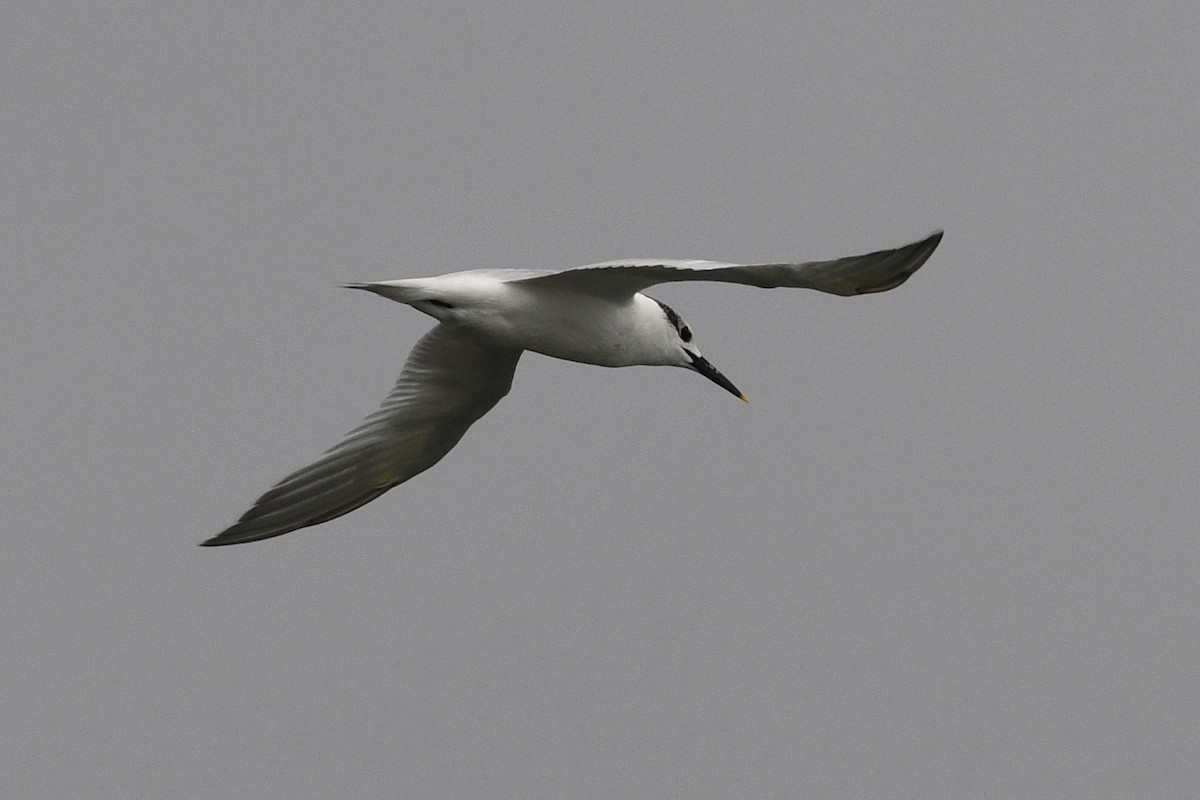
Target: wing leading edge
point(862, 274)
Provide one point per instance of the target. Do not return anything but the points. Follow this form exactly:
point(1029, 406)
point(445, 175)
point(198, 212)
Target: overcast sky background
point(949, 550)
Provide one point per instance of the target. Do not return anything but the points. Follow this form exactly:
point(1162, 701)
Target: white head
point(686, 354)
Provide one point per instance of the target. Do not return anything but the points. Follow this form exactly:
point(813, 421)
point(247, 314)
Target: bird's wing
point(450, 380)
point(872, 272)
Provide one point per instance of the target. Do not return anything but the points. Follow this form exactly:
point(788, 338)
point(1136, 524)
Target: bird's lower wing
point(450, 380)
point(863, 274)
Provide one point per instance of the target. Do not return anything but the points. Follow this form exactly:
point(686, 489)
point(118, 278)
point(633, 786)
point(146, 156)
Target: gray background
point(948, 550)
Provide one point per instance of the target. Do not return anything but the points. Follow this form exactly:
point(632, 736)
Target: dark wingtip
point(913, 256)
point(240, 534)
point(220, 540)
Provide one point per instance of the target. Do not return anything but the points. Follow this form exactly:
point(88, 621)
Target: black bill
point(701, 365)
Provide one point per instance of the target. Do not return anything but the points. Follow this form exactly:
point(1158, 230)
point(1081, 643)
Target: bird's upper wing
point(451, 379)
point(872, 272)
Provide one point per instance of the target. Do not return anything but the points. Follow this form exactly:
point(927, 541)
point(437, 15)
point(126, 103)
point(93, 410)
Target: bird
point(486, 318)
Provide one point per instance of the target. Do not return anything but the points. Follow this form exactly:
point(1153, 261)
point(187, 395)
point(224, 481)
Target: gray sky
point(949, 549)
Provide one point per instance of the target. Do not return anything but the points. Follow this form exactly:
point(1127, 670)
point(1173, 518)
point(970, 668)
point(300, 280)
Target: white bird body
point(486, 318)
point(564, 322)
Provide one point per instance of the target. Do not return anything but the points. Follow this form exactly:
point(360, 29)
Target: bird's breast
point(584, 328)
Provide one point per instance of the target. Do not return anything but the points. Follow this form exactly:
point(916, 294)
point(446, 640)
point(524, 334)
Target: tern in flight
point(595, 314)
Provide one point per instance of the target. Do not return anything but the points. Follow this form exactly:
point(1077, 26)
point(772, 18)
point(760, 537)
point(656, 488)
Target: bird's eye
point(685, 333)
point(440, 303)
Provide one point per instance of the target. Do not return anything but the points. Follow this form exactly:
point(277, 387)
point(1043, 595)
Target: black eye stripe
point(685, 332)
point(440, 303)
point(670, 312)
